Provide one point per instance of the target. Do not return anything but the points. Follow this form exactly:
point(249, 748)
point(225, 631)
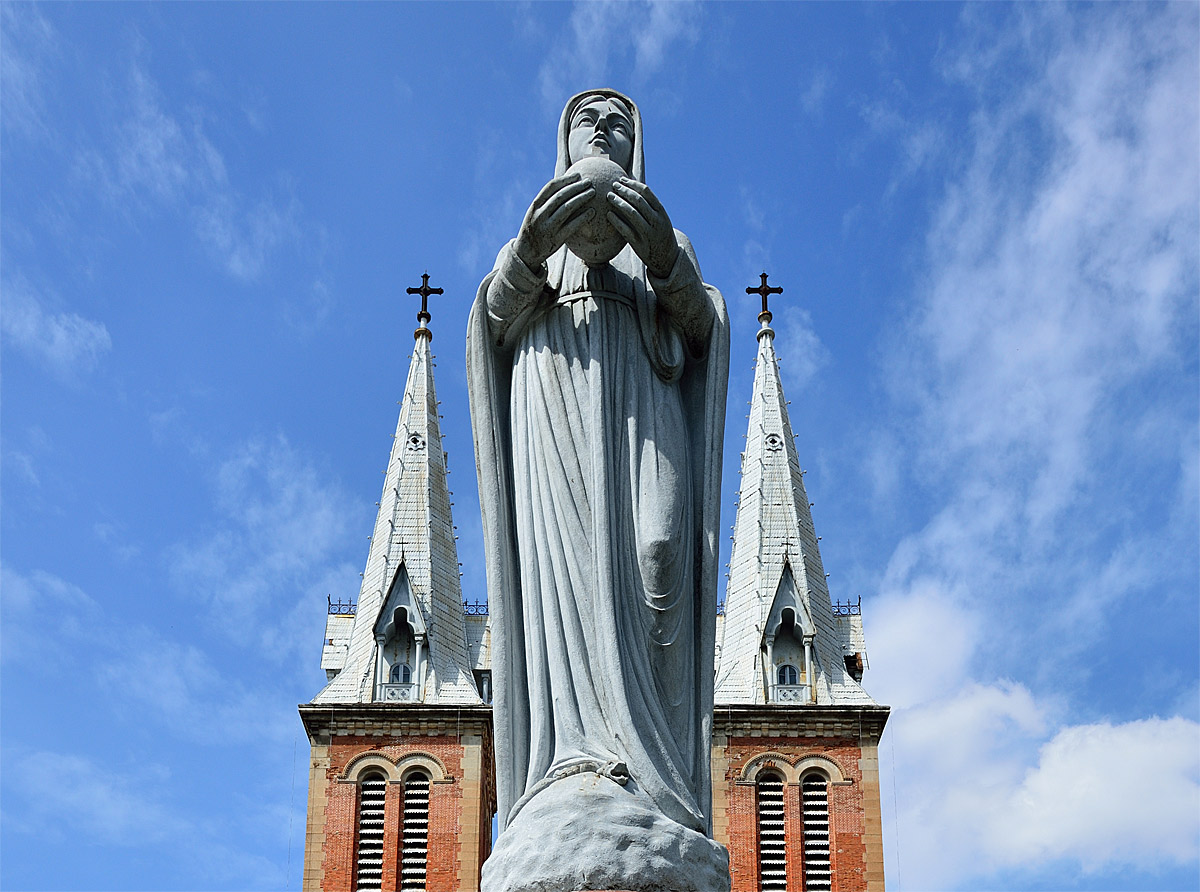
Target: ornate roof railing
point(340, 607)
point(848, 608)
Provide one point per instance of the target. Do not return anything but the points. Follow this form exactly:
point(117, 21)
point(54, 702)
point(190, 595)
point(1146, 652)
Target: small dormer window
point(400, 674)
point(788, 674)
point(774, 442)
point(416, 442)
point(483, 682)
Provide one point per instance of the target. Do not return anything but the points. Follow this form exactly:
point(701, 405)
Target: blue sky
point(985, 219)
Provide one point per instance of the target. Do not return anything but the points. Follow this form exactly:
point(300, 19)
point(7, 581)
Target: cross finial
point(423, 316)
point(764, 290)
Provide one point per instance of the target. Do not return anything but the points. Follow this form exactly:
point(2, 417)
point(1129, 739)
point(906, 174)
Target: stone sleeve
point(513, 289)
point(683, 295)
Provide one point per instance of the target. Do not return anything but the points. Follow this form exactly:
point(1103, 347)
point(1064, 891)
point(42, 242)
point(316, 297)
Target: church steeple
point(409, 641)
point(781, 640)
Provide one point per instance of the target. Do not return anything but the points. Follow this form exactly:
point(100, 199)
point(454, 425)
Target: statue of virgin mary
point(597, 404)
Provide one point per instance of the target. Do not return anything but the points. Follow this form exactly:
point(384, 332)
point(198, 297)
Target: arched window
point(414, 852)
point(814, 800)
point(772, 845)
point(400, 674)
point(788, 674)
point(370, 831)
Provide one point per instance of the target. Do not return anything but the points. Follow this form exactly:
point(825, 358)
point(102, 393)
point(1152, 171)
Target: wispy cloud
point(91, 799)
point(43, 614)
point(29, 41)
point(812, 97)
point(66, 343)
point(1040, 361)
point(156, 158)
point(49, 618)
point(801, 352)
point(276, 552)
point(603, 35)
point(177, 682)
point(92, 803)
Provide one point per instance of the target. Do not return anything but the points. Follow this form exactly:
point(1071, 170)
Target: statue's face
point(600, 127)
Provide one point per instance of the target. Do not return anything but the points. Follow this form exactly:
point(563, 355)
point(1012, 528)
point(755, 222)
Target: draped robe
point(598, 442)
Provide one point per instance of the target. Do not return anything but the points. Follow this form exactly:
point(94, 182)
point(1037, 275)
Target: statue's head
point(601, 122)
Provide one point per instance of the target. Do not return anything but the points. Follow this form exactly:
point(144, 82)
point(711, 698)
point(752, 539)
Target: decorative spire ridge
point(423, 316)
point(780, 641)
point(764, 290)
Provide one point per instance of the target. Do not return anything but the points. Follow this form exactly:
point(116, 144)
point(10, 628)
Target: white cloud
point(277, 551)
point(801, 353)
point(183, 689)
point(603, 35)
point(29, 40)
point(23, 465)
point(43, 614)
point(1040, 364)
point(49, 618)
point(1105, 794)
point(923, 642)
point(68, 344)
point(83, 801)
point(812, 97)
point(1045, 302)
point(154, 158)
point(999, 795)
point(64, 793)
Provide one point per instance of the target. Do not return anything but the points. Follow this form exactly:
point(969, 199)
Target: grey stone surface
point(597, 241)
point(594, 833)
point(597, 404)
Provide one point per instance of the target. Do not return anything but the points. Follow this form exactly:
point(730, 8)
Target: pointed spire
point(412, 575)
point(777, 606)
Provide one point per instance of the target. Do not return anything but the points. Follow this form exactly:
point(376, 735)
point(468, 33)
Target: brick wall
point(461, 806)
point(751, 739)
point(455, 749)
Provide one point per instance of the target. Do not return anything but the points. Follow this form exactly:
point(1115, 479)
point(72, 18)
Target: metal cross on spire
point(764, 290)
point(423, 316)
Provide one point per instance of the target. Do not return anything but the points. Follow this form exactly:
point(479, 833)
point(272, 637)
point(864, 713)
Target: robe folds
point(598, 437)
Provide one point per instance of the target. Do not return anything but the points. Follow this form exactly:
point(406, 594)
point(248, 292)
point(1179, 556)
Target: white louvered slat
point(370, 833)
point(414, 856)
point(772, 844)
point(818, 875)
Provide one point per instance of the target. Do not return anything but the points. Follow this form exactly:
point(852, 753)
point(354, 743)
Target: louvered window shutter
point(772, 844)
point(370, 832)
point(414, 856)
point(818, 876)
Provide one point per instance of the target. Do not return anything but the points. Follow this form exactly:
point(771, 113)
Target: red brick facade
point(453, 747)
point(841, 743)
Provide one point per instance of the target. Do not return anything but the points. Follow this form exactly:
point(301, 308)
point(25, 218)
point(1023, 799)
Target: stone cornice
point(862, 723)
point(323, 721)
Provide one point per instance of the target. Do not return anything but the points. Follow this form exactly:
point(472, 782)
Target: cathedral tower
point(795, 765)
point(401, 784)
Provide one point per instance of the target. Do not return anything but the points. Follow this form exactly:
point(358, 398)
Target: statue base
point(589, 832)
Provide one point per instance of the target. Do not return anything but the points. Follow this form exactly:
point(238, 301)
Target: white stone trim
point(363, 762)
point(791, 769)
point(428, 763)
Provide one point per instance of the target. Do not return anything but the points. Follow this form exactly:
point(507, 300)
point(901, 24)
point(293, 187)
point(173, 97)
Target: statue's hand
point(559, 209)
point(638, 215)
